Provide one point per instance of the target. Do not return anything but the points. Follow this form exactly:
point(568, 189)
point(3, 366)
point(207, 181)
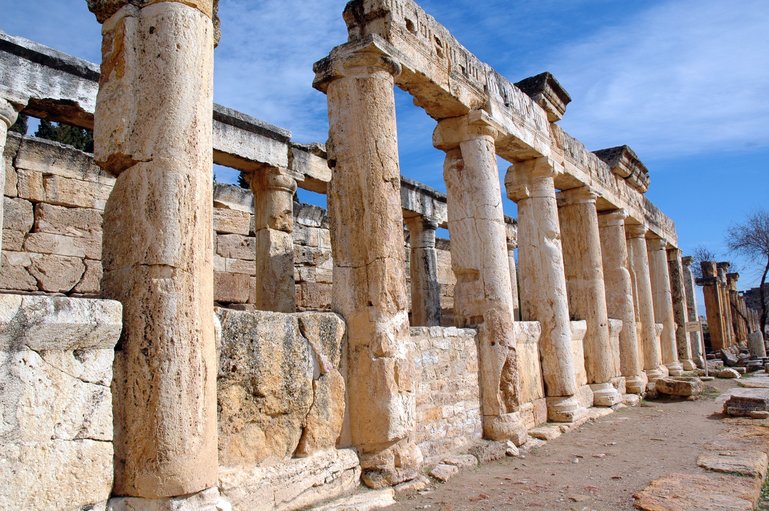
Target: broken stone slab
point(461, 461)
point(679, 387)
point(443, 472)
point(746, 463)
point(740, 369)
point(367, 500)
point(744, 401)
point(489, 451)
point(546, 432)
point(687, 492)
point(729, 358)
point(728, 373)
point(758, 414)
point(207, 500)
point(418, 484)
point(533, 443)
point(632, 399)
point(512, 450)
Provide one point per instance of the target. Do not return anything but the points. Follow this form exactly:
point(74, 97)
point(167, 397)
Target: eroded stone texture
point(369, 263)
point(586, 291)
point(619, 296)
point(55, 370)
point(153, 131)
point(8, 114)
point(678, 297)
point(274, 222)
point(692, 314)
point(639, 264)
point(543, 284)
point(483, 295)
point(425, 288)
point(715, 305)
point(663, 303)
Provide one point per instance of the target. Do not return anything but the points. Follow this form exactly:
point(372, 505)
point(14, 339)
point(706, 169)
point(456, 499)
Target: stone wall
point(56, 358)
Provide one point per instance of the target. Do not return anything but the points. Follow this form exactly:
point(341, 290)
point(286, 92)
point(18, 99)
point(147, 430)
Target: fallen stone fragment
point(746, 463)
point(679, 387)
point(512, 450)
point(632, 399)
point(418, 484)
point(461, 461)
point(545, 432)
point(444, 472)
point(744, 401)
point(489, 451)
point(687, 492)
point(728, 373)
point(759, 415)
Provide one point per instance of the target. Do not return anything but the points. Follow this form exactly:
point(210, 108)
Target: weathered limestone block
point(18, 215)
point(41, 156)
point(280, 390)
point(369, 261)
point(77, 222)
point(232, 221)
point(207, 500)
point(232, 287)
point(56, 358)
point(90, 282)
point(56, 274)
point(744, 401)
point(527, 334)
point(679, 387)
point(542, 282)
point(236, 246)
point(293, 484)
point(57, 244)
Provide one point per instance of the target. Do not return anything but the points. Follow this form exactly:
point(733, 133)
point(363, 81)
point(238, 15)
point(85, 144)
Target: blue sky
point(683, 82)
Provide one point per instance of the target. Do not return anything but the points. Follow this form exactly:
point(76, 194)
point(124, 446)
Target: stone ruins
point(171, 344)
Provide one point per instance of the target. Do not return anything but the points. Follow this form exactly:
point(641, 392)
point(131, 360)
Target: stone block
point(444, 472)
point(45, 156)
point(367, 500)
point(545, 432)
point(90, 283)
point(679, 387)
point(232, 221)
point(63, 191)
point(461, 460)
point(77, 222)
point(314, 296)
point(489, 451)
point(231, 287)
point(728, 373)
point(236, 246)
point(745, 463)
point(685, 492)
point(744, 401)
point(18, 214)
point(206, 500)
point(13, 240)
point(30, 185)
point(59, 244)
point(56, 274)
point(14, 272)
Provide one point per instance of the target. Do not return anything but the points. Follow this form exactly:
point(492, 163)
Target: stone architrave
point(483, 295)
point(274, 190)
point(678, 296)
point(153, 132)
point(512, 244)
point(8, 115)
point(367, 243)
point(619, 296)
point(639, 264)
point(425, 288)
point(692, 314)
point(663, 303)
point(585, 289)
point(543, 283)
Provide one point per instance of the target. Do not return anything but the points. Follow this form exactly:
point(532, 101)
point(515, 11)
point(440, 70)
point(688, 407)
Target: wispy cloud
point(682, 77)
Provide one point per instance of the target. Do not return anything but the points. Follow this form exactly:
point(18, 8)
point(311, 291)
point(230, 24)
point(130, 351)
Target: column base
point(509, 426)
point(688, 365)
point(700, 362)
point(675, 368)
point(655, 374)
point(604, 394)
point(565, 409)
point(206, 500)
point(393, 465)
point(636, 384)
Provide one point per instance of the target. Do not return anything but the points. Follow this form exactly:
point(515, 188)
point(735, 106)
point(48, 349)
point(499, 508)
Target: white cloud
point(682, 77)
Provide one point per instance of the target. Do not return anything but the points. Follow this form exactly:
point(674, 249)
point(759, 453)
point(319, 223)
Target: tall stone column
point(483, 295)
point(714, 307)
point(640, 266)
point(8, 115)
point(692, 314)
point(585, 288)
point(619, 296)
point(543, 283)
point(425, 289)
point(274, 190)
point(511, 236)
point(678, 296)
point(723, 271)
point(369, 262)
point(663, 303)
point(153, 132)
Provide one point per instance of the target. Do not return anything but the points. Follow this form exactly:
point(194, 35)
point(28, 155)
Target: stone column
point(678, 296)
point(692, 314)
point(367, 243)
point(723, 270)
point(619, 296)
point(714, 310)
point(483, 295)
point(543, 283)
point(640, 266)
point(738, 328)
point(425, 289)
point(663, 303)
point(585, 288)
point(8, 115)
point(274, 190)
point(153, 132)
point(512, 244)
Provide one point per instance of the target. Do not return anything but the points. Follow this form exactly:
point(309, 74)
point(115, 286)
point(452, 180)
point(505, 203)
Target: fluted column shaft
point(543, 282)
point(663, 303)
point(585, 288)
point(482, 295)
point(425, 289)
point(369, 263)
point(153, 132)
point(619, 296)
point(639, 264)
point(692, 314)
point(678, 296)
point(274, 190)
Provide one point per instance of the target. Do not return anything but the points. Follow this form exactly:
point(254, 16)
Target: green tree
point(79, 138)
point(20, 126)
point(751, 239)
point(243, 181)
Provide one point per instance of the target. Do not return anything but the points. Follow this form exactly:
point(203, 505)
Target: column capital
point(421, 222)
point(579, 195)
point(453, 131)
point(105, 9)
point(274, 178)
point(355, 60)
point(636, 230)
point(654, 243)
point(8, 112)
point(686, 261)
point(612, 218)
point(511, 236)
point(532, 178)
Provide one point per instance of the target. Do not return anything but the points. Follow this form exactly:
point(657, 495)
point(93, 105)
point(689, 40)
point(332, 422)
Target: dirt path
point(596, 468)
